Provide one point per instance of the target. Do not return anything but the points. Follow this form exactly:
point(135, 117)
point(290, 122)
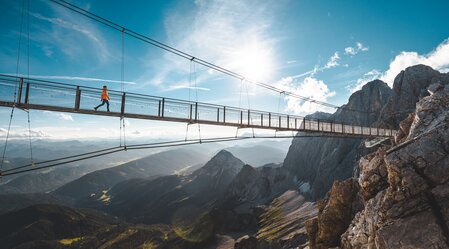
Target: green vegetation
point(70, 241)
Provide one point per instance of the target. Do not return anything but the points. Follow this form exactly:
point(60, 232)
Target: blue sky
point(320, 49)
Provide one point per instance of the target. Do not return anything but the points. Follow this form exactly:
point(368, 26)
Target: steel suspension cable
point(28, 76)
point(122, 118)
point(196, 96)
point(188, 56)
point(249, 108)
point(190, 104)
point(15, 88)
point(163, 145)
point(240, 103)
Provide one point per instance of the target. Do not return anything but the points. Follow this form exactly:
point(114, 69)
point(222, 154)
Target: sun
point(254, 61)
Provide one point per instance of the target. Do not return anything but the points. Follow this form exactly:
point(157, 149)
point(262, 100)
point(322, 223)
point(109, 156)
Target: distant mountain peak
point(224, 160)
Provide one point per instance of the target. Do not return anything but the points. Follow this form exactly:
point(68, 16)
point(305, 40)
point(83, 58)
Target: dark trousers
point(105, 101)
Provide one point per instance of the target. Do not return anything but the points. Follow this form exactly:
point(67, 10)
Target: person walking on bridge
point(104, 98)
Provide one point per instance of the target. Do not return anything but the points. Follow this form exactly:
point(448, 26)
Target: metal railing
point(54, 96)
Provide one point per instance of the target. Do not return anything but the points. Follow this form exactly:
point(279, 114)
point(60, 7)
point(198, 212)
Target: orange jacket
point(104, 94)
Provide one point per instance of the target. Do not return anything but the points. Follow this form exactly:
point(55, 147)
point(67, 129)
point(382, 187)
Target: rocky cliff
point(401, 199)
point(318, 162)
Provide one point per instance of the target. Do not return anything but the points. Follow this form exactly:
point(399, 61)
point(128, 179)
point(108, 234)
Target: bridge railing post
point(241, 117)
point(288, 122)
point(122, 109)
point(304, 123)
point(318, 125)
point(27, 93)
point(19, 94)
point(249, 114)
point(269, 119)
point(261, 119)
point(162, 107)
point(77, 98)
point(196, 111)
point(224, 114)
point(218, 114)
point(296, 123)
point(280, 123)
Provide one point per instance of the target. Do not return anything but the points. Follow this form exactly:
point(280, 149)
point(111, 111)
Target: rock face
point(412, 211)
point(409, 86)
point(318, 162)
point(404, 190)
point(335, 213)
point(282, 223)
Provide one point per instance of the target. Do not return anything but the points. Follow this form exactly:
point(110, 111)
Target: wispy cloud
point(178, 86)
point(356, 49)
point(23, 133)
point(62, 116)
point(72, 78)
point(70, 34)
point(334, 60)
point(367, 77)
point(219, 31)
point(66, 117)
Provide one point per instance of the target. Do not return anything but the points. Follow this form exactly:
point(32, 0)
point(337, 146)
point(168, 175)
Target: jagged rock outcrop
point(404, 189)
point(413, 210)
point(409, 86)
point(335, 213)
point(318, 162)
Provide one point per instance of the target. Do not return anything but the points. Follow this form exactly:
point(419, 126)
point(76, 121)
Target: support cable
point(249, 109)
point(240, 106)
point(28, 76)
point(15, 88)
point(190, 104)
point(185, 55)
point(123, 121)
point(279, 113)
point(175, 143)
point(196, 96)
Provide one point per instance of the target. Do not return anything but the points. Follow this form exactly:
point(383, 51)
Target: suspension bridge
point(60, 97)
point(35, 94)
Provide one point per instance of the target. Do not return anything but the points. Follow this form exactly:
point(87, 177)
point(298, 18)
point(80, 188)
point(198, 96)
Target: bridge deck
point(53, 96)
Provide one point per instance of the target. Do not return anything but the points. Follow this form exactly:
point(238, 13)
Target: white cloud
point(350, 50)
point(333, 61)
point(437, 59)
point(65, 116)
point(367, 77)
point(182, 85)
point(62, 116)
point(356, 49)
point(23, 133)
point(311, 88)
